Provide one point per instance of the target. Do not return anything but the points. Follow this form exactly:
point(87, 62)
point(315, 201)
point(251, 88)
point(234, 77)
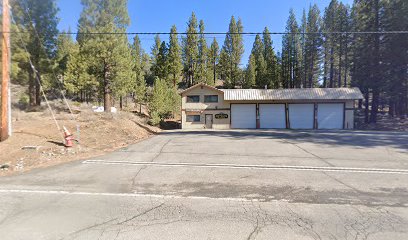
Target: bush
point(24, 100)
point(163, 102)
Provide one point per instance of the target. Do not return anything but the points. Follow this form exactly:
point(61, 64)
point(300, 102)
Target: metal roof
point(293, 94)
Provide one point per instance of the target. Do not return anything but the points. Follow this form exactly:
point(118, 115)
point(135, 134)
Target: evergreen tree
point(174, 56)
point(155, 53)
point(258, 50)
point(232, 51)
point(250, 73)
point(162, 65)
point(291, 54)
point(190, 50)
point(213, 58)
point(65, 45)
point(140, 82)
point(202, 56)
point(395, 57)
point(270, 59)
point(164, 101)
point(366, 71)
point(37, 17)
point(312, 50)
point(108, 56)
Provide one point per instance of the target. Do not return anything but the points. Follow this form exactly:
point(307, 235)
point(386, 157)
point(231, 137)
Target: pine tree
point(108, 56)
point(250, 73)
point(162, 65)
point(190, 50)
point(213, 58)
point(155, 53)
point(164, 101)
point(140, 82)
point(202, 56)
point(291, 54)
point(232, 51)
point(65, 45)
point(366, 71)
point(312, 50)
point(258, 50)
point(37, 17)
point(174, 56)
point(395, 57)
point(270, 60)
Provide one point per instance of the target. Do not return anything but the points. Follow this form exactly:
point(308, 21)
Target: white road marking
point(159, 196)
point(264, 167)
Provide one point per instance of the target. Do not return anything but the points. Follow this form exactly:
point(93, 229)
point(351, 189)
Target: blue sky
point(160, 15)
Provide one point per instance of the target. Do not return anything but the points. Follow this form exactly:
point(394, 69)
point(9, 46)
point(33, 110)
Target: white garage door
point(330, 115)
point(272, 116)
point(243, 115)
point(301, 116)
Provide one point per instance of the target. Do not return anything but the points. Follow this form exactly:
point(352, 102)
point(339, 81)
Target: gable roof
point(201, 85)
point(293, 94)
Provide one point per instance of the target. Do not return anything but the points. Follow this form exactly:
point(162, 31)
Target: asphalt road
point(220, 185)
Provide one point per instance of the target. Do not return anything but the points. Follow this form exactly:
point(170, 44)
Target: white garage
point(330, 115)
point(272, 116)
point(243, 115)
point(301, 116)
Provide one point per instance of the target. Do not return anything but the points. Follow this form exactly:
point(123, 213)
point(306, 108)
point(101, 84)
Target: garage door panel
point(243, 115)
point(330, 115)
point(301, 116)
point(272, 115)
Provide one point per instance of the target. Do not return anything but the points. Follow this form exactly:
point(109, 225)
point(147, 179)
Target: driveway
point(220, 185)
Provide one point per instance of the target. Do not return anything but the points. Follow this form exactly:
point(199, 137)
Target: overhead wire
point(36, 73)
point(231, 33)
point(52, 70)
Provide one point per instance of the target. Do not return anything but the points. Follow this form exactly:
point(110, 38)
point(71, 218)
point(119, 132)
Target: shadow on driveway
point(336, 137)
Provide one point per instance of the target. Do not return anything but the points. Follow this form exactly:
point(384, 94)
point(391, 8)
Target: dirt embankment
point(36, 141)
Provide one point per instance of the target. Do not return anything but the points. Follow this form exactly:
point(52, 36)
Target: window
point(193, 118)
point(211, 98)
point(193, 98)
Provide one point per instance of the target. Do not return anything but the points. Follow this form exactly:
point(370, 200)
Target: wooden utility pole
point(5, 130)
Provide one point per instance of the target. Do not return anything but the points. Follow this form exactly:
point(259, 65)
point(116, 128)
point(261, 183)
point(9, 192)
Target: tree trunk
point(214, 71)
point(391, 108)
point(38, 90)
point(331, 80)
point(374, 106)
point(340, 62)
point(376, 65)
point(366, 105)
point(31, 89)
point(346, 62)
point(107, 91)
point(121, 102)
point(325, 71)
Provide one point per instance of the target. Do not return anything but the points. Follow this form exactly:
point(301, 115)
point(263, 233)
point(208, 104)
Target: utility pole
point(5, 130)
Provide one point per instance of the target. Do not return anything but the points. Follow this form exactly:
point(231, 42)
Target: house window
point(193, 98)
point(193, 118)
point(211, 98)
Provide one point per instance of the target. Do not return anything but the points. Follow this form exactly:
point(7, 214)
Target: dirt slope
point(36, 141)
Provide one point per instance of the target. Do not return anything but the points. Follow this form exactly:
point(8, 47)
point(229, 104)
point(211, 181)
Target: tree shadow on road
point(366, 139)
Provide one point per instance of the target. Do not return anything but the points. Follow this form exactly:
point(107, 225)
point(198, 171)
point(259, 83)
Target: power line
point(222, 33)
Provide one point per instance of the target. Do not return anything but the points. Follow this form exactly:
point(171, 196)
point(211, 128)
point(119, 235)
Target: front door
point(208, 121)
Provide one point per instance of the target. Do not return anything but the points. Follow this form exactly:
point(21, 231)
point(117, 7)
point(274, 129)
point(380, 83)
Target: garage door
point(301, 116)
point(272, 116)
point(330, 115)
point(243, 115)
